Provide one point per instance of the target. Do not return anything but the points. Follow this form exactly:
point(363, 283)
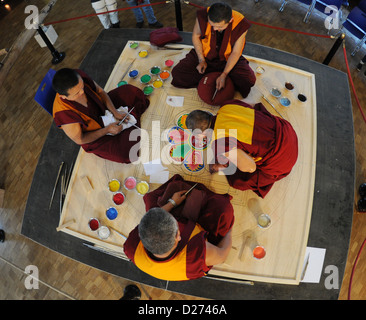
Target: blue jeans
point(138, 13)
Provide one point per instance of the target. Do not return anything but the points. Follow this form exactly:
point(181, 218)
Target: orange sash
point(61, 105)
point(206, 40)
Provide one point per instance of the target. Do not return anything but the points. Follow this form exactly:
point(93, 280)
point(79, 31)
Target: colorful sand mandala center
point(186, 148)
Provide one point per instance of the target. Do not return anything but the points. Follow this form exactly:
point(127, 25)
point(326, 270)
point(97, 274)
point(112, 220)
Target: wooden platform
point(289, 203)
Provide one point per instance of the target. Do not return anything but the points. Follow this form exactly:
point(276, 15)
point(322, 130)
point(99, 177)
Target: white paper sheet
point(159, 177)
point(314, 267)
point(175, 101)
point(153, 167)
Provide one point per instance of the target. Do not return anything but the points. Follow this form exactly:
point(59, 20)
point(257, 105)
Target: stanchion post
point(178, 15)
point(57, 56)
point(334, 49)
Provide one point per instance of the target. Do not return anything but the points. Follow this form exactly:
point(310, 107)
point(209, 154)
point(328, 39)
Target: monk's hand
point(114, 128)
point(201, 67)
point(179, 197)
point(220, 81)
point(119, 115)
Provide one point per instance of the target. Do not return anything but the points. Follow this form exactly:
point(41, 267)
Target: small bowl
point(264, 221)
point(148, 90)
point(134, 45)
point(169, 63)
point(94, 224)
point(133, 73)
point(289, 86)
point(103, 232)
point(145, 79)
point(111, 213)
point(143, 53)
point(301, 97)
point(155, 70)
point(114, 185)
point(259, 252)
point(118, 198)
point(142, 187)
point(259, 70)
point(164, 75)
point(157, 83)
point(122, 83)
point(275, 92)
point(285, 101)
point(130, 183)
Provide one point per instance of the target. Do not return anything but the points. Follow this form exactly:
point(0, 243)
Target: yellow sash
point(235, 121)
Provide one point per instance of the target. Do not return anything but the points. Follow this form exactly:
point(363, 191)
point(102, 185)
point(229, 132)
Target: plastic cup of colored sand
point(264, 221)
point(301, 97)
point(148, 90)
point(259, 70)
point(143, 54)
point(169, 63)
point(275, 92)
point(165, 74)
point(111, 213)
point(259, 252)
point(289, 86)
point(145, 79)
point(114, 185)
point(157, 83)
point(134, 45)
point(103, 232)
point(121, 83)
point(118, 198)
point(130, 183)
point(285, 101)
point(94, 224)
point(155, 70)
point(142, 187)
point(133, 73)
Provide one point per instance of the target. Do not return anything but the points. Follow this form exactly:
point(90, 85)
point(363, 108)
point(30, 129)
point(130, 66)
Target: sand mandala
point(186, 148)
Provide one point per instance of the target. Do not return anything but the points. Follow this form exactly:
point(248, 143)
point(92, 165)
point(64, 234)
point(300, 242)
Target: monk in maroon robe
point(219, 39)
point(78, 109)
point(204, 221)
point(261, 149)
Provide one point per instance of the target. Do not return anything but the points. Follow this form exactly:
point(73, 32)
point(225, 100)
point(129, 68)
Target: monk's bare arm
point(76, 134)
point(242, 160)
point(231, 61)
point(218, 254)
point(235, 53)
point(178, 197)
point(196, 40)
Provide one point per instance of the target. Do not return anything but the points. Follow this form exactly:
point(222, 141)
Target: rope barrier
point(351, 81)
point(96, 14)
point(273, 27)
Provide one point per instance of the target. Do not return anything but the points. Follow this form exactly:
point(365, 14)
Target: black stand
point(178, 15)
point(334, 49)
point(57, 56)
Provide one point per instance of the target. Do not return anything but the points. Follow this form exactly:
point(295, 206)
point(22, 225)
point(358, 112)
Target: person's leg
point(100, 6)
point(150, 16)
point(113, 16)
point(149, 12)
point(185, 74)
point(137, 12)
